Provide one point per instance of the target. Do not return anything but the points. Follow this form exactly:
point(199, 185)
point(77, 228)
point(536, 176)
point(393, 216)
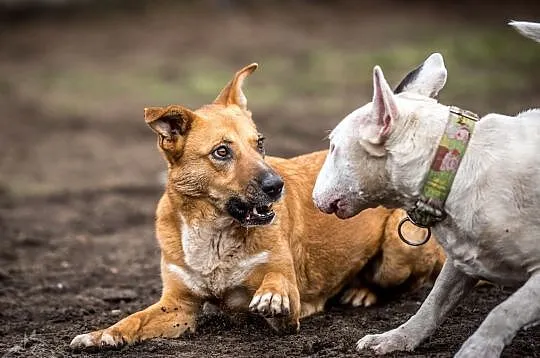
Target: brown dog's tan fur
point(287, 269)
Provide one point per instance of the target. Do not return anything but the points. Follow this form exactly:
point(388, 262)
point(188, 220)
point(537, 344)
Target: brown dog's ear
point(232, 93)
point(171, 124)
point(168, 122)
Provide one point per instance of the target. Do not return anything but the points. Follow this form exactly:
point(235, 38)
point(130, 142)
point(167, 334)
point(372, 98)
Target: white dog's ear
point(527, 29)
point(384, 109)
point(427, 79)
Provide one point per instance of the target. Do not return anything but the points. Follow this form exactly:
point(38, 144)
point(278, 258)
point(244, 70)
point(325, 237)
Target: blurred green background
point(76, 75)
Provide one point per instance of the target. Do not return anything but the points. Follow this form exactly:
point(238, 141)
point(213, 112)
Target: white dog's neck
point(498, 144)
point(412, 145)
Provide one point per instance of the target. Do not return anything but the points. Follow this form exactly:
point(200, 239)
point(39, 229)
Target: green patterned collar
point(429, 209)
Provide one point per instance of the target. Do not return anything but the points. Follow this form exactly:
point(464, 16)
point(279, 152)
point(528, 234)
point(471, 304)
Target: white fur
point(215, 260)
point(270, 304)
point(82, 341)
point(528, 29)
point(91, 340)
point(493, 208)
point(430, 77)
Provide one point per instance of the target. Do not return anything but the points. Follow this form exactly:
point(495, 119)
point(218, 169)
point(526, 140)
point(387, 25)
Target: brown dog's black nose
point(272, 185)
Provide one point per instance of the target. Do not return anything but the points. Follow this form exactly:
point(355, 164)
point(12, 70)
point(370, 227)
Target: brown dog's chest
point(216, 262)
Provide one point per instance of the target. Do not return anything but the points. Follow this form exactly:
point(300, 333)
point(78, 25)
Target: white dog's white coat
point(381, 153)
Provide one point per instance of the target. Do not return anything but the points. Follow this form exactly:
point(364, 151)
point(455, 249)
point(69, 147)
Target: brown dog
point(226, 238)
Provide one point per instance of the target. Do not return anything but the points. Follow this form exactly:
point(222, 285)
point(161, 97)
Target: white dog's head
point(359, 170)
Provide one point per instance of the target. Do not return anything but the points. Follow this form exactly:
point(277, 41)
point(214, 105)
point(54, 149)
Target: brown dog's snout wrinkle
point(271, 184)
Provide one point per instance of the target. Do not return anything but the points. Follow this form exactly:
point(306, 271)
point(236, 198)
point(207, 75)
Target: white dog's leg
point(450, 287)
point(504, 321)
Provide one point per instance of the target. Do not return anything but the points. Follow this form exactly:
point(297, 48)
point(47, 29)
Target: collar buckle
point(425, 215)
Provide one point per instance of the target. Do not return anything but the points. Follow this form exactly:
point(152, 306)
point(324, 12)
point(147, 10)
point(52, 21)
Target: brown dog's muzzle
point(256, 208)
point(271, 184)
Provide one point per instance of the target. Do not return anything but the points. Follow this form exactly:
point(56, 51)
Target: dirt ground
point(79, 170)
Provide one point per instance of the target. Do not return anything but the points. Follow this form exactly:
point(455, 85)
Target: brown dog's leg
point(278, 299)
point(403, 265)
point(358, 294)
point(173, 315)
point(166, 318)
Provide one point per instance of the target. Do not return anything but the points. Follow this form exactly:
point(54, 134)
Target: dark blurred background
point(75, 75)
point(79, 169)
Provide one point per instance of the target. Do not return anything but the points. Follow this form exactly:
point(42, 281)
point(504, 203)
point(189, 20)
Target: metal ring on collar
point(402, 237)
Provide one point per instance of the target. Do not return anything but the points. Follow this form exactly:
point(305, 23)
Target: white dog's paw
point(480, 348)
point(386, 342)
point(96, 339)
point(270, 304)
point(357, 297)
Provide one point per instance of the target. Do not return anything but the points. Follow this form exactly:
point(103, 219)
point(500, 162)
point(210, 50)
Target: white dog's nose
point(326, 206)
point(332, 207)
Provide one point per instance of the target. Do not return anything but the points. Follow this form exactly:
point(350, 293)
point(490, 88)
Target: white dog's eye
point(332, 147)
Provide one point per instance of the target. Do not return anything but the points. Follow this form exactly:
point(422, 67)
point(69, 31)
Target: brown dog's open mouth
point(249, 214)
point(259, 215)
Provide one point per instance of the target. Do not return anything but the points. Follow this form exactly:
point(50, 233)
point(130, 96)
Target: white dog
point(380, 154)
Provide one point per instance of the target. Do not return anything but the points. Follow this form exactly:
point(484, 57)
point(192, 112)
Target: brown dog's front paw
point(358, 296)
point(106, 338)
point(270, 304)
point(278, 300)
point(87, 340)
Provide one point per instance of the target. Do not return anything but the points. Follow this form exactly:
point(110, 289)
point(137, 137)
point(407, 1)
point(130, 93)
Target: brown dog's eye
point(221, 152)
